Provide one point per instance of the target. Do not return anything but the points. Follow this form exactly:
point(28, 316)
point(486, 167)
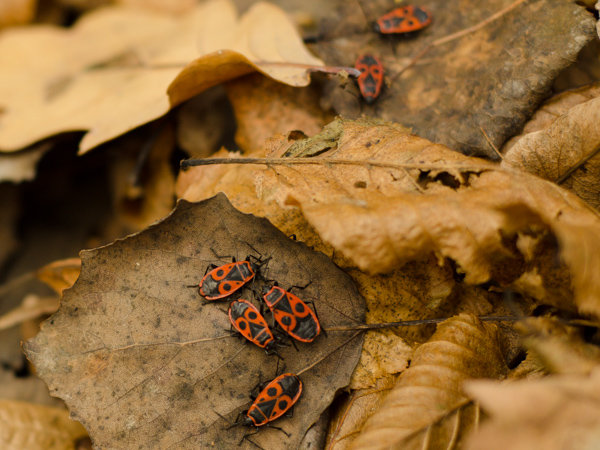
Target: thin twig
point(410, 323)
point(457, 35)
point(576, 166)
point(327, 161)
point(489, 141)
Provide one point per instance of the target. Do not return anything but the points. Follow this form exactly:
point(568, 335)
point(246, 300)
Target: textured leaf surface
point(141, 362)
point(490, 79)
point(461, 348)
point(562, 134)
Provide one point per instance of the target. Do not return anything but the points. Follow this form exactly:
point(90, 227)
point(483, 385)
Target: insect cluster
point(294, 318)
point(407, 19)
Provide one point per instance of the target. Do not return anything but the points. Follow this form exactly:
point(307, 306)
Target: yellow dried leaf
point(461, 348)
point(118, 68)
point(552, 413)
point(60, 275)
point(16, 12)
point(552, 148)
point(33, 427)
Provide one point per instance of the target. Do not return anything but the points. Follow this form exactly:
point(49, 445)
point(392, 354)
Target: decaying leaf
point(357, 408)
point(461, 348)
point(37, 427)
point(109, 83)
point(31, 308)
point(560, 348)
point(264, 108)
point(553, 413)
point(491, 78)
point(407, 198)
point(60, 275)
point(167, 372)
point(26, 389)
point(563, 148)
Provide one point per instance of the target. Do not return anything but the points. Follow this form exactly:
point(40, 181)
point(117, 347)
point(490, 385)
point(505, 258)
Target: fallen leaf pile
point(143, 143)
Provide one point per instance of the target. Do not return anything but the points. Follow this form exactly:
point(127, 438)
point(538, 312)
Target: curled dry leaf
point(553, 413)
point(109, 83)
point(60, 275)
point(156, 366)
point(559, 347)
point(460, 349)
point(37, 427)
point(384, 198)
point(565, 149)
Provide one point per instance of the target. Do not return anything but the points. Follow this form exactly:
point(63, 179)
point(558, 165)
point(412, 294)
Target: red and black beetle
point(292, 314)
point(273, 401)
point(246, 319)
point(221, 281)
point(403, 20)
point(370, 79)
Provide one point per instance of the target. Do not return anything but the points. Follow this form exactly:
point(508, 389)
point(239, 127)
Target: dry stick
point(576, 166)
point(457, 35)
point(410, 323)
point(489, 141)
point(186, 163)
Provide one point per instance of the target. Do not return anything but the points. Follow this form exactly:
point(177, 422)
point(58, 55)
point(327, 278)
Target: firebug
point(370, 79)
point(403, 20)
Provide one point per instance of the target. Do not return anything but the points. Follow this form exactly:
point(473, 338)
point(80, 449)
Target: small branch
point(576, 166)
point(489, 141)
point(457, 35)
point(410, 323)
point(186, 163)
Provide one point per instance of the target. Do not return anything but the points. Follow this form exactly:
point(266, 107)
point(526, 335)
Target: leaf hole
point(360, 184)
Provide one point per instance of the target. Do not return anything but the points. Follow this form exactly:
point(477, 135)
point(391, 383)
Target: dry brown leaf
point(33, 427)
point(461, 348)
point(551, 148)
point(553, 413)
point(560, 348)
point(158, 367)
point(16, 12)
point(584, 71)
point(355, 411)
point(264, 108)
point(110, 83)
point(492, 78)
point(392, 197)
point(60, 275)
point(28, 389)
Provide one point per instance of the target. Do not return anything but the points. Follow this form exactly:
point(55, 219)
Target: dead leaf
point(357, 408)
point(204, 123)
point(264, 108)
point(60, 275)
point(560, 348)
point(165, 370)
point(34, 427)
point(513, 59)
point(407, 198)
point(31, 308)
point(109, 83)
point(552, 149)
point(461, 348)
point(584, 71)
point(170, 7)
point(553, 413)
point(16, 12)
point(28, 389)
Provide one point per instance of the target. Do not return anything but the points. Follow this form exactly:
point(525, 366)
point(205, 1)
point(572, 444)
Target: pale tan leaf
point(461, 348)
point(108, 83)
point(558, 146)
point(33, 427)
point(60, 275)
point(553, 413)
